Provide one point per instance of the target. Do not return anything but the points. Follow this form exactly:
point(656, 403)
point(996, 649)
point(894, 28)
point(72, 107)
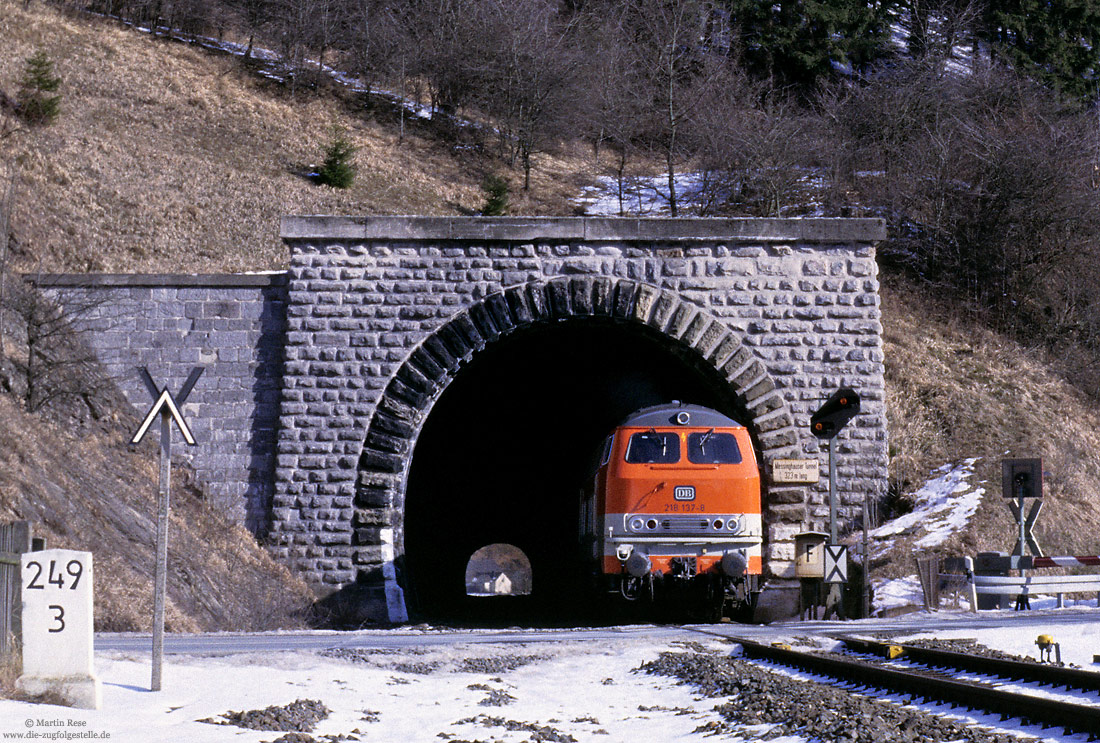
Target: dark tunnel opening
point(508, 447)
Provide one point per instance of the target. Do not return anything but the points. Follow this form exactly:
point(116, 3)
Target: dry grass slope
point(168, 157)
point(955, 391)
point(87, 489)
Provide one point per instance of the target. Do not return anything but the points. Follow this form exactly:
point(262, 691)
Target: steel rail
point(1071, 678)
point(1074, 718)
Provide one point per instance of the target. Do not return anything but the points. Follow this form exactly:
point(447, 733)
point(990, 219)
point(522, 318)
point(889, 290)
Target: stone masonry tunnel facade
point(323, 381)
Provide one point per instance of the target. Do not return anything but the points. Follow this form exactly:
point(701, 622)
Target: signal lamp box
point(809, 560)
point(1022, 478)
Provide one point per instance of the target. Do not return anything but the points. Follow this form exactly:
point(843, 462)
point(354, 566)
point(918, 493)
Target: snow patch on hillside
point(941, 507)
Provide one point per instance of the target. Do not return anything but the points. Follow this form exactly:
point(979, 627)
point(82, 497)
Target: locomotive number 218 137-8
point(684, 508)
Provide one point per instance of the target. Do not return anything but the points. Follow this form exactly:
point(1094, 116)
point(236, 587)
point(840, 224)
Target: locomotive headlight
point(637, 524)
point(718, 524)
point(651, 524)
point(734, 525)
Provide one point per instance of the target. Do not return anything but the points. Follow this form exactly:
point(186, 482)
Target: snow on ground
point(941, 507)
point(647, 196)
point(895, 594)
point(587, 690)
point(1079, 641)
point(643, 196)
point(582, 690)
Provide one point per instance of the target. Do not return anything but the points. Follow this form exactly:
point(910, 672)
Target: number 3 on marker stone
point(59, 618)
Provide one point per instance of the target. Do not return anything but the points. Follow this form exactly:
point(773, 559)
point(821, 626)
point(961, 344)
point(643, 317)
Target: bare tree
point(58, 364)
point(528, 82)
point(253, 15)
point(7, 203)
point(446, 49)
point(935, 29)
point(291, 21)
point(755, 146)
point(370, 38)
point(615, 104)
point(988, 180)
point(326, 19)
point(664, 38)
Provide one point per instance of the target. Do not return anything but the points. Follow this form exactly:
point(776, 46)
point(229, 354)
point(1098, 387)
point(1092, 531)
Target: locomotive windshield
point(713, 448)
point(653, 447)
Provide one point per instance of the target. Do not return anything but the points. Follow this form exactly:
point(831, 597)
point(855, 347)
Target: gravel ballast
point(817, 711)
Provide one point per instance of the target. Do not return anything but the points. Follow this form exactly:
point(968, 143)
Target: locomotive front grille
point(726, 524)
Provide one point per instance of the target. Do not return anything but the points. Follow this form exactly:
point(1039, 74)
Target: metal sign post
point(168, 408)
point(832, 491)
point(1021, 479)
point(825, 423)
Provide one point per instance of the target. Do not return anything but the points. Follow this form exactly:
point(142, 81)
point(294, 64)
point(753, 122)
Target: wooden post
point(972, 594)
point(161, 580)
point(928, 571)
point(866, 556)
point(15, 539)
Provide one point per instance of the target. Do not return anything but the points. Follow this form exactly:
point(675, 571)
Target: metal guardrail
point(1031, 585)
point(965, 579)
point(1027, 585)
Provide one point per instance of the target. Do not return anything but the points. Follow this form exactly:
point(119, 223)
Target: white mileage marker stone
point(57, 626)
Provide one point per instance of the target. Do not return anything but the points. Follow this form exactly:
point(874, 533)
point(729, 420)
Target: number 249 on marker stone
point(74, 569)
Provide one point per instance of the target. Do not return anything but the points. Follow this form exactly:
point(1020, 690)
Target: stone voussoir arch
point(427, 370)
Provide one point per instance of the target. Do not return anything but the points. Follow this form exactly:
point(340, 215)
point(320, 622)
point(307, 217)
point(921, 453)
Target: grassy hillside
point(957, 391)
point(85, 488)
point(170, 158)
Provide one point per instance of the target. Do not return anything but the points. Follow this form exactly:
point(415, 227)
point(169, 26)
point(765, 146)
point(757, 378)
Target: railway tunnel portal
point(412, 389)
point(479, 363)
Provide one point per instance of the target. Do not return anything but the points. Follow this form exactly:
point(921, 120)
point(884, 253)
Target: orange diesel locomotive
point(674, 512)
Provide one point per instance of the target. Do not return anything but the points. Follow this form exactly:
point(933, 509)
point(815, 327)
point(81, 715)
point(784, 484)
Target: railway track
point(932, 684)
point(1013, 670)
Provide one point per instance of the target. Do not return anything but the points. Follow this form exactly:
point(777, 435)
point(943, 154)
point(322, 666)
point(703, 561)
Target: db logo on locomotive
point(683, 492)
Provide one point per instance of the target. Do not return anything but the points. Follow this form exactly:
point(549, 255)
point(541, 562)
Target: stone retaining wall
point(234, 326)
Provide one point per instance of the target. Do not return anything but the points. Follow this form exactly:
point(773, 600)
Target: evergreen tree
point(496, 196)
point(1056, 41)
point(36, 106)
point(800, 43)
point(338, 169)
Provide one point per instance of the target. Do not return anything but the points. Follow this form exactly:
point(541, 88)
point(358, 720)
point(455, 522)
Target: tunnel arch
point(727, 374)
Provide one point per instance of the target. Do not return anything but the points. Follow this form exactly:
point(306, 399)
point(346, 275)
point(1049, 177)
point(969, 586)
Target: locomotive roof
point(668, 415)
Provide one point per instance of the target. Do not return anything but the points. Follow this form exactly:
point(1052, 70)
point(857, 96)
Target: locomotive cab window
point(709, 447)
point(606, 456)
point(653, 447)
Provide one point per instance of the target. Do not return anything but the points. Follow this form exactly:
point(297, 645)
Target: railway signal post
point(1022, 479)
point(826, 423)
point(167, 408)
